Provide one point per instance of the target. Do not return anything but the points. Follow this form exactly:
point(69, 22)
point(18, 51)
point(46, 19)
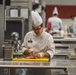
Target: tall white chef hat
point(36, 18)
point(55, 11)
point(36, 1)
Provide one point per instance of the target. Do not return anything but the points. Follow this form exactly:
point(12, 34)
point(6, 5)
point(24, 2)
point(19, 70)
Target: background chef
point(54, 23)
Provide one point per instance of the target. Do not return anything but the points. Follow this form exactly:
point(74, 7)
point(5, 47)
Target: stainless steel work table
point(52, 64)
point(70, 41)
point(58, 37)
point(62, 46)
point(66, 39)
point(63, 54)
point(71, 71)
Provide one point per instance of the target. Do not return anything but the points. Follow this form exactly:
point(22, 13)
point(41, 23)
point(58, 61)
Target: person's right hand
point(28, 52)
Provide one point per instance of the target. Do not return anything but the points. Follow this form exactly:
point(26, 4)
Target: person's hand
point(36, 55)
point(41, 55)
point(28, 52)
point(45, 55)
point(30, 57)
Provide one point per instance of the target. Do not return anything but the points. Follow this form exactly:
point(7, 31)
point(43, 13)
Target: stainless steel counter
point(62, 46)
point(66, 40)
point(70, 41)
point(52, 64)
point(71, 71)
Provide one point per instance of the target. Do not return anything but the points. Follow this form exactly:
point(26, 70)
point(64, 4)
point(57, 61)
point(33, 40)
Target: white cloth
point(55, 11)
point(56, 23)
point(42, 43)
point(36, 18)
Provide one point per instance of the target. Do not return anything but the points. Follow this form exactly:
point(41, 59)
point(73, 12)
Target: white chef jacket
point(56, 23)
point(41, 43)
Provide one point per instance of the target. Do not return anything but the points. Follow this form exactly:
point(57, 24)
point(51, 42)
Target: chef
point(54, 23)
point(38, 41)
point(37, 44)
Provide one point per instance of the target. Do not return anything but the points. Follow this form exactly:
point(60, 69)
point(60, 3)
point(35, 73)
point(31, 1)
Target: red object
point(49, 26)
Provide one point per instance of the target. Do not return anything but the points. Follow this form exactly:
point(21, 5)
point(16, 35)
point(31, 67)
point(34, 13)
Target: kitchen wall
point(60, 2)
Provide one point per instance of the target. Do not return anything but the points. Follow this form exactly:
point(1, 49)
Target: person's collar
point(40, 35)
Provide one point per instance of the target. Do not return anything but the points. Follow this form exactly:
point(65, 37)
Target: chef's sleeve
point(51, 46)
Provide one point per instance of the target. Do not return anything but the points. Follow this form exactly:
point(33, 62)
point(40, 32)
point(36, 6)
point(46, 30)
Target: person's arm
point(42, 55)
point(49, 25)
point(49, 53)
point(51, 47)
point(26, 51)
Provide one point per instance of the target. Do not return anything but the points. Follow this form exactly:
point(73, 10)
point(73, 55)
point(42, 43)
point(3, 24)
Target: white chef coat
point(56, 23)
point(41, 43)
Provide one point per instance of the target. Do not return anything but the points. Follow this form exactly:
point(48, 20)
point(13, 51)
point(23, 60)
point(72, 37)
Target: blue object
point(74, 30)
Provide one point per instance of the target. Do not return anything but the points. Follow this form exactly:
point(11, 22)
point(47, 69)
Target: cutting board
point(33, 60)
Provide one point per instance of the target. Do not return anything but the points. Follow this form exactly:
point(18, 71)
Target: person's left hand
point(37, 55)
point(41, 55)
point(45, 55)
